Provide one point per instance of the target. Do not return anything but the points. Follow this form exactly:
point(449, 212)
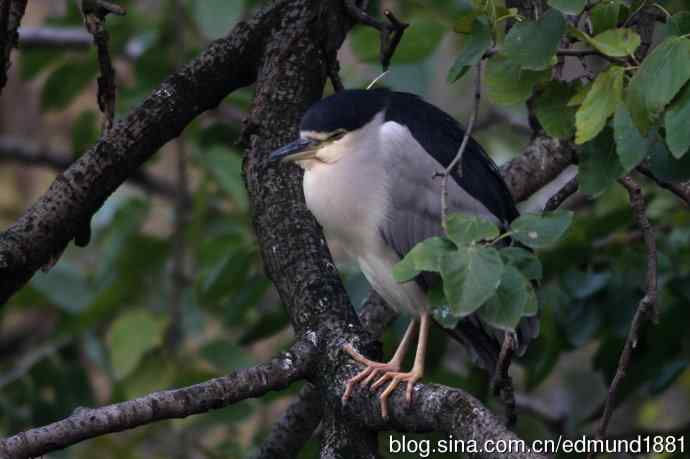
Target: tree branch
point(217, 393)
point(296, 259)
point(11, 14)
point(542, 161)
point(23, 151)
point(564, 193)
point(277, 51)
point(647, 305)
point(391, 31)
point(54, 37)
point(296, 426)
point(682, 190)
point(457, 161)
point(95, 12)
point(46, 228)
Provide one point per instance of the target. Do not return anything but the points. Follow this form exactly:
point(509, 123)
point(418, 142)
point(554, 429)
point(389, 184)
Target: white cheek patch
point(332, 152)
point(313, 135)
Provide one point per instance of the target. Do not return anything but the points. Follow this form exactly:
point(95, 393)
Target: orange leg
point(411, 377)
point(373, 369)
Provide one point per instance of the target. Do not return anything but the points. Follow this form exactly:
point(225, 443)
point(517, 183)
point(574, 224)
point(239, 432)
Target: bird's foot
point(396, 378)
point(372, 370)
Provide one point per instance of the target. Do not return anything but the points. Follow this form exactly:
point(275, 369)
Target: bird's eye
point(337, 135)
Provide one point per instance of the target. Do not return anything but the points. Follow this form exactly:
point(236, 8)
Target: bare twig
point(95, 12)
point(496, 116)
point(646, 307)
point(457, 161)
point(23, 151)
point(566, 52)
point(54, 37)
point(5, 40)
point(564, 193)
point(391, 32)
point(179, 275)
point(178, 403)
point(626, 238)
point(501, 382)
point(27, 362)
point(682, 190)
point(102, 7)
point(11, 14)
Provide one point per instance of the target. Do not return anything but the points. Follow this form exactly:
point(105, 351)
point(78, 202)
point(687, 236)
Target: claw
point(371, 370)
point(396, 378)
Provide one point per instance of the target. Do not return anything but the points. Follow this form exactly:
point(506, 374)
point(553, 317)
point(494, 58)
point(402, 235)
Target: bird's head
point(335, 127)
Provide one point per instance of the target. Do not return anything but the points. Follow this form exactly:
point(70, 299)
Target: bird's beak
point(297, 150)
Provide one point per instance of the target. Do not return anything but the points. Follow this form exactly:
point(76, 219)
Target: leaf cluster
point(482, 273)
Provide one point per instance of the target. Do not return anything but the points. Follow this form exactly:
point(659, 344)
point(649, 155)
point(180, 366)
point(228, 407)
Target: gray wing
point(414, 214)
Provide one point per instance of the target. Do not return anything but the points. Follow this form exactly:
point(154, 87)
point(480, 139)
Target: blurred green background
point(163, 298)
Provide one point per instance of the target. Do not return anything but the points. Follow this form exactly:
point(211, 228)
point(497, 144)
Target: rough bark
point(24, 151)
point(178, 403)
point(297, 260)
point(44, 230)
point(283, 48)
point(288, 436)
point(541, 162)
point(11, 14)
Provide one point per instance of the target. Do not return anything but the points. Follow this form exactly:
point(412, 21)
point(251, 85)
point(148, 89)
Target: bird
point(371, 161)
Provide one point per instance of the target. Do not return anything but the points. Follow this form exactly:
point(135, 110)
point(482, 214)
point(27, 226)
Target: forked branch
point(391, 31)
point(647, 306)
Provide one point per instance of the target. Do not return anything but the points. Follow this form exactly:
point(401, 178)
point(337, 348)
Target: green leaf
point(580, 95)
point(598, 164)
point(474, 46)
point(604, 15)
point(532, 44)
point(617, 42)
point(506, 307)
point(678, 25)
point(470, 277)
point(217, 17)
point(132, 335)
point(662, 74)
point(630, 145)
point(524, 260)
point(600, 103)
point(553, 112)
point(677, 124)
point(539, 231)
point(419, 41)
point(425, 256)
point(67, 81)
point(466, 20)
point(532, 305)
point(572, 7)
point(666, 167)
point(507, 83)
point(464, 229)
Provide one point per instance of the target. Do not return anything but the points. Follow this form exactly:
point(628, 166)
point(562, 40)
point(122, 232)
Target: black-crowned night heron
point(371, 161)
